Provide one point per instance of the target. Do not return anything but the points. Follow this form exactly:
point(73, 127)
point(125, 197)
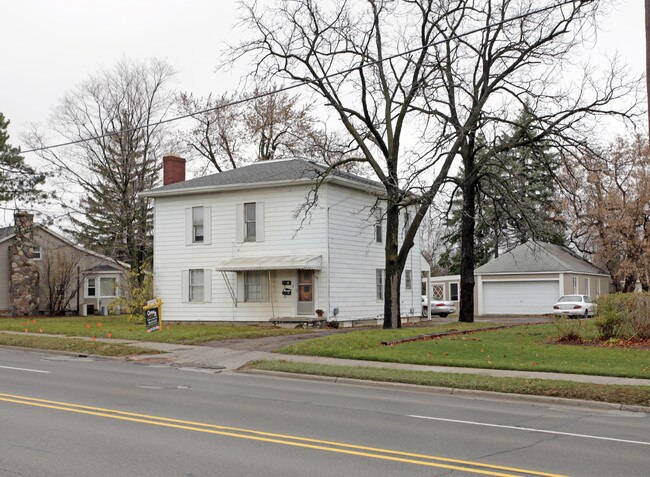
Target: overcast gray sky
point(49, 46)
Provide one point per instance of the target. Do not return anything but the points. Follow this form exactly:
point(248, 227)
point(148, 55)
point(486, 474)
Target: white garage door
point(520, 298)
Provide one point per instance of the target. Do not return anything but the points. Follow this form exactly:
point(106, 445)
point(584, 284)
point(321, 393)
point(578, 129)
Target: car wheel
point(424, 311)
point(586, 315)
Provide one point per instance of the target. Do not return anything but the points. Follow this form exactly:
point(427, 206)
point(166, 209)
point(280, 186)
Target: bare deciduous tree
point(232, 130)
point(113, 118)
point(218, 132)
point(59, 280)
point(455, 73)
point(500, 57)
point(374, 93)
point(609, 207)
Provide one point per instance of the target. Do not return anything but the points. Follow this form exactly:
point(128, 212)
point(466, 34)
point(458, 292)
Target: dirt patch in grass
point(638, 344)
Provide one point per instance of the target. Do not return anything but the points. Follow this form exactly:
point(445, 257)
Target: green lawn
point(527, 348)
point(121, 327)
point(72, 345)
point(629, 395)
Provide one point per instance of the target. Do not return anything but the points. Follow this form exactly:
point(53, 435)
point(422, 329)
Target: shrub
point(569, 330)
point(624, 316)
point(139, 289)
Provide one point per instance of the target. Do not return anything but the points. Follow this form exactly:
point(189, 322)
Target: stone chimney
point(23, 272)
point(173, 169)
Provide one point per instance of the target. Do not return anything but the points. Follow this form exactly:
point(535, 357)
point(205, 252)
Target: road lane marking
point(296, 441)
point(532, 429)
point(26, 369)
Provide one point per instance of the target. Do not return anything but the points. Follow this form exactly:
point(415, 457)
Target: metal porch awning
point(275, 262)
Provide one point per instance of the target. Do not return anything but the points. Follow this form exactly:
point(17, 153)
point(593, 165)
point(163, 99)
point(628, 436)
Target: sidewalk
point(225, 359)
point(228, 359)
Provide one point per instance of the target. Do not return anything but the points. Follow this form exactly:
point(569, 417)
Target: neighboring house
point(242, 245)
point(527, 280)
point(39, 266)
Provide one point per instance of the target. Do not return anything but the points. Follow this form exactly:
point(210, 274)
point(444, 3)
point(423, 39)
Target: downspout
point(329, 270)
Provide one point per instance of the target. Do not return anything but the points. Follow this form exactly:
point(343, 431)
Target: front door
point(305, 292)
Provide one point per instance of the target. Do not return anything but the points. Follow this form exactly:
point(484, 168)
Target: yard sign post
point(153, 315)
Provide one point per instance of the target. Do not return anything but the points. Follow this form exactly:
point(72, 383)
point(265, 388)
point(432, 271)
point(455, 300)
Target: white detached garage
point(529, 279)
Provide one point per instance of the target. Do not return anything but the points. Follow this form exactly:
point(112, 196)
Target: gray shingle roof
point(6, 231)
point(533, 257)
point(267, 172)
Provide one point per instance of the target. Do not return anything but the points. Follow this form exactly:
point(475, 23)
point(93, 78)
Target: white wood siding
point(355, 256)
point(283, 235)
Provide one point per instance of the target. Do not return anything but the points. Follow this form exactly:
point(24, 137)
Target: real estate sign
point(153, 315)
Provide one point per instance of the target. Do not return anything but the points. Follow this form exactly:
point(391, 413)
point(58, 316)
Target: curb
point(470, 393)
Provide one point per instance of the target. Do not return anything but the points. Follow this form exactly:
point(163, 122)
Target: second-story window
point(250, 229)
point(197, 224)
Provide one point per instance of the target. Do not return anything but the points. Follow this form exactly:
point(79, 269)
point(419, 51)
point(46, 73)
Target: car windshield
point(570, 298)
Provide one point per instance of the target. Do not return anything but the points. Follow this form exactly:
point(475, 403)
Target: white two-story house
point(252, 245)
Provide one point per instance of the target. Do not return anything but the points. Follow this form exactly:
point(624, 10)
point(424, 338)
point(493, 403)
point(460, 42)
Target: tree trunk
point(467, 226)
point(393, 280)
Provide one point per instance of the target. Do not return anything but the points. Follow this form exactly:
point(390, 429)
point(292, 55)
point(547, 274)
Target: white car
point(438, 307)
point(575, 306)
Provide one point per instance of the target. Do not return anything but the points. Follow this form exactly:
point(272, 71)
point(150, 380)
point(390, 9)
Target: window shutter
point(239, 224)
point(185, 285)
point(188, 226)
point(207, 225)
point(259, 219)
point(207, 285)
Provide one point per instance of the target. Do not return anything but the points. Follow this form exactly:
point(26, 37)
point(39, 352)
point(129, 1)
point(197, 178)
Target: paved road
point(64, 416)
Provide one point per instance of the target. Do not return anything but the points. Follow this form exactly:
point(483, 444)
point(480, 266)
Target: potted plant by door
point(320, 313)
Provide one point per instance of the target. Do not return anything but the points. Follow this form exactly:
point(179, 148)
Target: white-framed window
point(197, 224)
point(379, 235)
point(255, 286)
point(408, 279)
point(587, 286)
point(101, 287)
point(196, 284)
point(437, 291)
point(575, 285)
point(250, 222)
point(379, 278)
point(37, 253)
point(597, 287)
point(107, 287)
point(454, 291)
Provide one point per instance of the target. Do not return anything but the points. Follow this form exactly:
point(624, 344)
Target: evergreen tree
point(515, 202)
point(113, 120)
point(18, 181)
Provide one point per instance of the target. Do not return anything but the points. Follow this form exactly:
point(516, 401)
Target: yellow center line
point(296, 441)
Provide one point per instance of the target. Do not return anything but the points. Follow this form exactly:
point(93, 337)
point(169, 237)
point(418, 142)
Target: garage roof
point(276, 262)
point(534, 257)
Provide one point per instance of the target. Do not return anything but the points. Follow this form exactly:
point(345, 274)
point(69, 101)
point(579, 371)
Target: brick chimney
point(173, 169)
point(23, 272)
